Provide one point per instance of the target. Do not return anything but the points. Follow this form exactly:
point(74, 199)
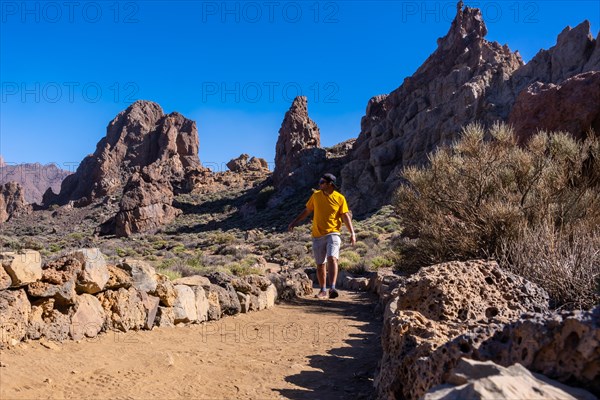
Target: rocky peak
point(429, 109)
point(12, 201)
point(298, 136)
point(140, 136)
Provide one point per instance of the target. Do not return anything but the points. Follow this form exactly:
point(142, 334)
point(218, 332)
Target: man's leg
point(332, 266)
point(321, 275)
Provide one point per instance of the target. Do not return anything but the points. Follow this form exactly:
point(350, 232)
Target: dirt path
point(309, 349)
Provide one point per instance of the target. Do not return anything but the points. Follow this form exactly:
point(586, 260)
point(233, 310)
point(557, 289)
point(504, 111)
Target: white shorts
point(326, 246)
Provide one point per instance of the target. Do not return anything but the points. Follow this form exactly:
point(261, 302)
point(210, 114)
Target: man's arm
point(299, 218)
point(348, 222)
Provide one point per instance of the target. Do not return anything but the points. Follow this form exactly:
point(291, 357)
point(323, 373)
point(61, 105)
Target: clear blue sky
point(68, 67)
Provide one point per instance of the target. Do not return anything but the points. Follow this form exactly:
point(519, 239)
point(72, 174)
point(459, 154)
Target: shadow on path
point(347, 371)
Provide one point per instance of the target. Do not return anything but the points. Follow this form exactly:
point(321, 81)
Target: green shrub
point(487, 192)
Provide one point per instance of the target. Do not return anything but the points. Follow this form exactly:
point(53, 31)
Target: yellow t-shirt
point(327, 212)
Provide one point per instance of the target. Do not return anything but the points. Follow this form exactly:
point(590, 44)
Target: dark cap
point(329, 178)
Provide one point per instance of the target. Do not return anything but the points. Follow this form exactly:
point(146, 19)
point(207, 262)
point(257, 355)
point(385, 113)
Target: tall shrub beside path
point(486, 196)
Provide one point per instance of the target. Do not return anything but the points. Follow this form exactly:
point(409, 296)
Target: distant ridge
point(35, 178)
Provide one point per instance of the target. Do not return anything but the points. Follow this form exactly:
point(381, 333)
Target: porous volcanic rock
point(12, 201)
point(14, 315)
point(572, 106)
point(466, 79)
point(437, 305)
point(140, 136)
point(124, 309)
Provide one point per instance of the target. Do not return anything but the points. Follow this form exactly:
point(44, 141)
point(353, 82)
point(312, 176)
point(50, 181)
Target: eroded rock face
point(466, 79)
point(572, 106)
point(142, 135)
point(430, 310)
point(23, 267)
point(12, 201)
point(145, 205)
point(87, 319)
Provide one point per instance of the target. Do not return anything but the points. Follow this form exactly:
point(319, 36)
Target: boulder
point(124, 309)
point(214, 306)
point(202, 304)
point(245, 302)
point(271, 296)
point(486, 380)
point(228, 299)
point(47, 322)
point(87, 317)
point(118, 278)
point(193, 280)
point(427, 316)
point(94, 272)
point(151, 305)
point(291, 284)
point(184, 309)
point(165, 317)
point(15, 310)
point(165, 290)
point(142, 273)
point(23, 267)
point(64, 294)
point(12, 201)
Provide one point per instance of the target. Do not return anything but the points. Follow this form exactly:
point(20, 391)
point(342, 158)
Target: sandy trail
point(309, 349)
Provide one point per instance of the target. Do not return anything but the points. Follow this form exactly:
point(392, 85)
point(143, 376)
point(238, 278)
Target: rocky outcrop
point(298, 149)
point(486, 380)
point(466, 79)
point(34, 178)
point(572, 106)
point(244, 164)
point(12, 201)
point(476, 310)
point(141, 136)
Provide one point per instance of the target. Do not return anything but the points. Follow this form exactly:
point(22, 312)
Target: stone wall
point(475, 310)
point(80, 295)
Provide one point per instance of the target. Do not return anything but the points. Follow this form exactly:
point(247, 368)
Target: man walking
point(330, 209)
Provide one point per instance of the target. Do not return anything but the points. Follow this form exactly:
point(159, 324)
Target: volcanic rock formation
point(141, 136)
point(12, 201)
point(466, 79)
point(298, 151)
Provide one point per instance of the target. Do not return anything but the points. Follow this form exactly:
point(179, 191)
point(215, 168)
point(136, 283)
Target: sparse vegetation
point(489, 197)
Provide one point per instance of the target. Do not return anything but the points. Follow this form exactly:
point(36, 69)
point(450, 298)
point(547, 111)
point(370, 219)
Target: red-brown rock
point(572, 106)
point(12, 201)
